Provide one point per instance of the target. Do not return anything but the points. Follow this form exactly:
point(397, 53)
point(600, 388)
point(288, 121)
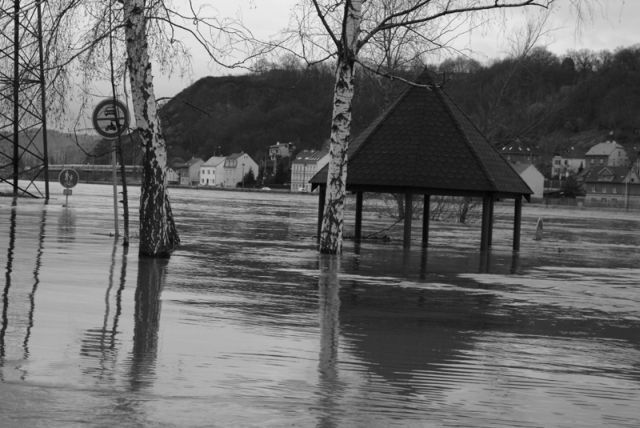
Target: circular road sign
point(110, 118)
point(68, 178)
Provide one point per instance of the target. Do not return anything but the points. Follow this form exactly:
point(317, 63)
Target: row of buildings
point(217, 171)
point(232, 170)
point(605, 172)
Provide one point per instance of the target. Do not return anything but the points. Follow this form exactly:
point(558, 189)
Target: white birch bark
point(158, 234)
point(333, 218)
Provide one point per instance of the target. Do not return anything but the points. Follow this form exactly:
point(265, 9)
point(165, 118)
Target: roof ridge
point(471, 146)
point(485, 170)
point(373, 127)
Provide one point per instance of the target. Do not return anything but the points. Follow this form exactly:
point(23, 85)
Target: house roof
point(424, 142)
point(188, 163)
point(233, 156)
point(606, 174)
point(521, 167)
point(310, 156)
point(570, 152)
point(214, 161)
point(517, 148)
point(604, 149)
point(176, 162)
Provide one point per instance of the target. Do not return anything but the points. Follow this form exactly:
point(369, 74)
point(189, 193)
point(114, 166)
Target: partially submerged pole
point(114, 174)
point(517, 220)
point(322, 194)
point(426, 213)
point(358, 228)
point(484, 235)
point(408, 214)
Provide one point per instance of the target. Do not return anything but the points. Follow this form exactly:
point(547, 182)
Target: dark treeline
point(541, 99)
point(227, 114)
point(550, 102)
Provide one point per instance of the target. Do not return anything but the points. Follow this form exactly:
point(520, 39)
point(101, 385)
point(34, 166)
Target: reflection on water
point(7, 283)
point(36, 281)
point(66, 225)
point(151, 276)
point(329, 311)
point(247, 326)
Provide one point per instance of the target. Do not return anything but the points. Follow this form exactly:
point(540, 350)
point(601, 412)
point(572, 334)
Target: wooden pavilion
point(424, 144)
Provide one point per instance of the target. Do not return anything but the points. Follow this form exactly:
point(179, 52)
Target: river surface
point(246, 325)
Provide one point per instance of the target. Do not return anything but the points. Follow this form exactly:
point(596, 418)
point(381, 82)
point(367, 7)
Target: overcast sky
point(609, 24)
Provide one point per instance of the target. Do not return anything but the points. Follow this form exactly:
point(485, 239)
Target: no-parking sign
point(110, 118)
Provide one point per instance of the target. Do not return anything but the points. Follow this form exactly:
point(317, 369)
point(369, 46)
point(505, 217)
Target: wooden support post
point(490, 230)
point(426, 212)
point(517, 219)
point(358, 230)
point(408, 214)
point(484, 236)
point(322, 194)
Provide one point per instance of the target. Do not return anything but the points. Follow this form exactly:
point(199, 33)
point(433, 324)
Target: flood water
point(246, 325)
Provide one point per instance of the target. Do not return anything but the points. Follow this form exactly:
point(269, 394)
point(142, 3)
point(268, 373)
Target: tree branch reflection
point(329, 314)
point(151, 277)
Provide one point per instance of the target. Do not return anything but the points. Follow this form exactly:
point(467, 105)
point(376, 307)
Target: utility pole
point(23, 104)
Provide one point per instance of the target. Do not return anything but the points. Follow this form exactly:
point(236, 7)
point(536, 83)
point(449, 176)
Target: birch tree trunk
point(333, 218)
point(158, 234)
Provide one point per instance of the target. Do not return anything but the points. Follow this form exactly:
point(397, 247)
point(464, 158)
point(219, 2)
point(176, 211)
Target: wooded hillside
point(545, 101)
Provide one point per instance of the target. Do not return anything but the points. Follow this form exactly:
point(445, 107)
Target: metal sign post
point(110, 119)
point(68, 178)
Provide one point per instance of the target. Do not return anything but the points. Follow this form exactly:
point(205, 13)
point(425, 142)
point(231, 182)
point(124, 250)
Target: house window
point(614, 189)
point(556, 162)
point(593, 189)
point(601, 161)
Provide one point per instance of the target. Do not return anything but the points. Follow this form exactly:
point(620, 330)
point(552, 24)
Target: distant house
point(608, 153)
point(305, 166)
point(612, 186)
point(277, 152)
point(212, 171)
point(530, 175)
point(568, 162)
point(518, 152)
point(235, 167)
point(172, 176)
point(189, 171)
point(280, 150)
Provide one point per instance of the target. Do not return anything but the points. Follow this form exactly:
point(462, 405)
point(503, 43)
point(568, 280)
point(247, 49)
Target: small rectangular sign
point(67, 192)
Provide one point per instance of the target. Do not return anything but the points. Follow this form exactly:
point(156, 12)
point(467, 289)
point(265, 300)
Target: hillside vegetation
point(545, 101)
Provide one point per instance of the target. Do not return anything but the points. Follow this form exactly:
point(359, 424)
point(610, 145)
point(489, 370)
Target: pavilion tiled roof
point(424, 142)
